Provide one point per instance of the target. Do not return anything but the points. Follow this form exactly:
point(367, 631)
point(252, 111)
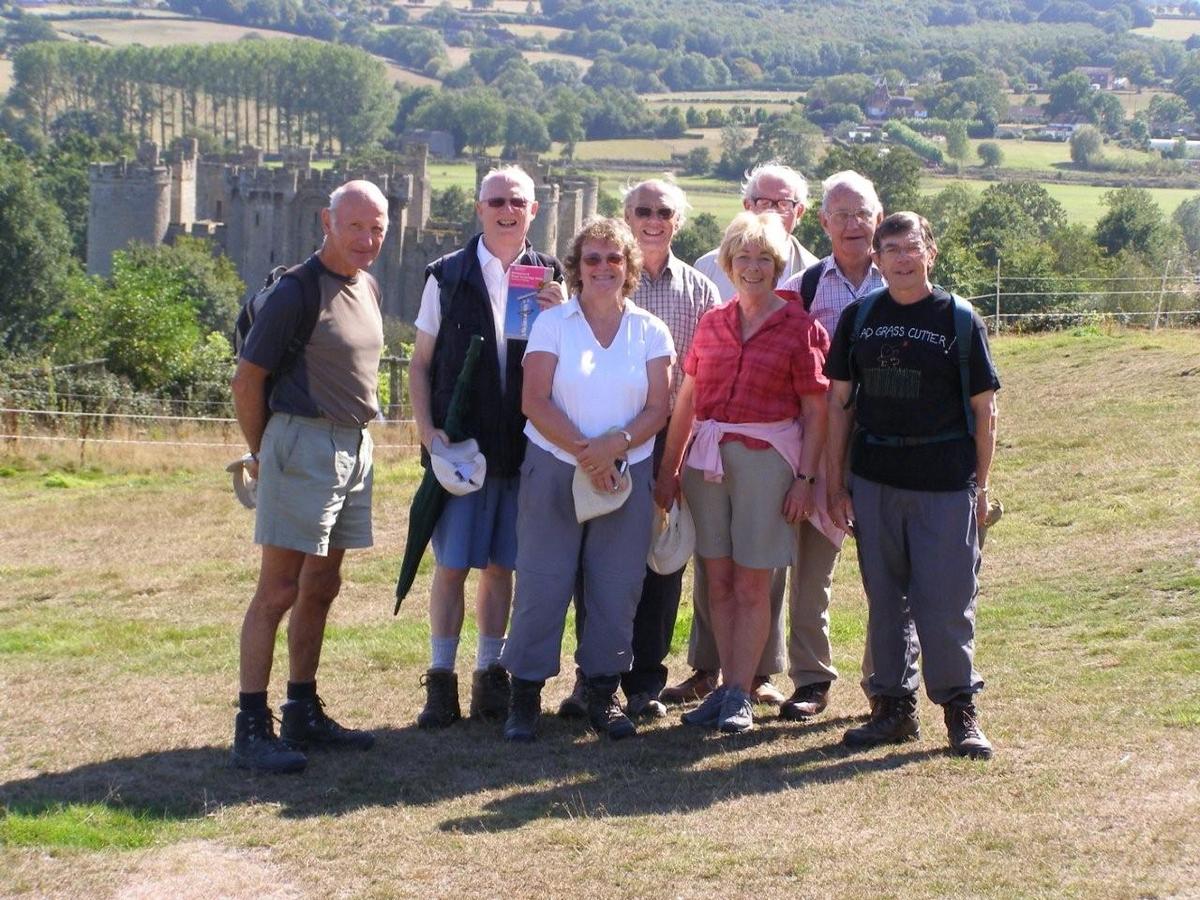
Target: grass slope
point(125, 583)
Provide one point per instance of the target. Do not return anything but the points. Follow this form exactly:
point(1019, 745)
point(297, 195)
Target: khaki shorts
point(742, 516)
point(314, 486)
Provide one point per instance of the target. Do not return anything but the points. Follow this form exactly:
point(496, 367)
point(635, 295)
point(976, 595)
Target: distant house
point(882, 104)
point(1025, 115)
point(1064, 128)
point(877, 103)
point(1101, 77)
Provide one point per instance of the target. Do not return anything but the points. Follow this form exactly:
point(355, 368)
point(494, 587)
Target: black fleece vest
point(493, 419)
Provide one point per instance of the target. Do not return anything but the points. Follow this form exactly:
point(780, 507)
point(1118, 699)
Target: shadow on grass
point(567, 773)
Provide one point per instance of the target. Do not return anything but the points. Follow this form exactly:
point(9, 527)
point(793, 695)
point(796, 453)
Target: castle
point(264, 217)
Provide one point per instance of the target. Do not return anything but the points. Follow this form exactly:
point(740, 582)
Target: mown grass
point(1046, 156)
point(118, 639)
point(1171, 29)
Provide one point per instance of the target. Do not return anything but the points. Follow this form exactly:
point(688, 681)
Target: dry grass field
point(1171, 29)
point(125, 570)
point(6, 76)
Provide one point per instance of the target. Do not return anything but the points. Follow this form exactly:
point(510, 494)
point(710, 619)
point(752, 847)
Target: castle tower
point(128, 202)
point(183, 183)
point(543, 232)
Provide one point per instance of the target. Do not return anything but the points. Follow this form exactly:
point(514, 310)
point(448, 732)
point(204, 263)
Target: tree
point(1187, 217)
point(957, 145)
point(1070, 94)
point(525, 130)
point(673, 123)
point(1086, 146)
point(35, 257)
point(1134, 221)
point(453, 206)
point(697, 237)
point(990, 154)
point(209, 284)
point(789, 138)
point(697, 162)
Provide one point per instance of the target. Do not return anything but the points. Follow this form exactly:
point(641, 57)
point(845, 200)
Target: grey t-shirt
point(337, 374)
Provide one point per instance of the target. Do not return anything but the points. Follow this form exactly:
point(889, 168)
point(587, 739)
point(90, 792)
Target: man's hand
point(981, 507)
point(798, 502)
point(427, 435)
point(666, 488)
point(552, 293)
point(841, 508)
point(252, 468)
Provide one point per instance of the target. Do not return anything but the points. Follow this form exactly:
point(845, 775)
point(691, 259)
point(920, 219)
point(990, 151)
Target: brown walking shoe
point(696, 686)
point(762, 691)
point(489, 693)
point(806, 702)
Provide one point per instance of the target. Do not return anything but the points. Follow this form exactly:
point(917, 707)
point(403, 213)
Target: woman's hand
point(666, 488)
point(606, 481)
point(596, 455)
point(841, 508)
point(552, 293)
point(798, 502)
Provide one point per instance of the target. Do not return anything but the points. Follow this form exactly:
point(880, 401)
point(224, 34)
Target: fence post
point(997, 294)
point(1162, 294)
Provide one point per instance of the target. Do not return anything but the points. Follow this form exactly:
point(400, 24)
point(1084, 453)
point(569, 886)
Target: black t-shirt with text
point(906, 363)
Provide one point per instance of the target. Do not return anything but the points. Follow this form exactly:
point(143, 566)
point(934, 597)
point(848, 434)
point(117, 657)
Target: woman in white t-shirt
point(595, 393)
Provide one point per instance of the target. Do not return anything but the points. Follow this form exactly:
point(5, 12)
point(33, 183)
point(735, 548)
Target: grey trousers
point(919, 556)
point(608, 552)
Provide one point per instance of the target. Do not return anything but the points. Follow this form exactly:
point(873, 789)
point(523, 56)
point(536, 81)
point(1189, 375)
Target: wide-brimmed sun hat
point(460, 467)
point(244, 485)
point(674, 539)
point(590, 503)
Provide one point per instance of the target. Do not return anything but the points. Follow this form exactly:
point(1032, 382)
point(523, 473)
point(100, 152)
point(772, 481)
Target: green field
point(126, 570)
point(1048, 156)
point(1171, 29)
point(1083, 202)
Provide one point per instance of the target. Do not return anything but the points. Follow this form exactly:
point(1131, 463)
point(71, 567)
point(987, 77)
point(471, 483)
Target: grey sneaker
point(708, 713)
point(644, 706)
point(737, 712)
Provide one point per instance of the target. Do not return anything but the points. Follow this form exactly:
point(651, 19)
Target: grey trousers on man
point(552, 547)
point(919, 556)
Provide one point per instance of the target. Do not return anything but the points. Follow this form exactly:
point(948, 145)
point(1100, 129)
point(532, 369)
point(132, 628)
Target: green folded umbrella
point(430, 498)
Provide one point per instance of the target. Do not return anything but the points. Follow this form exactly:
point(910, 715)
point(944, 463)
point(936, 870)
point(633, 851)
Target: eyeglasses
point(895, 251)
point(514, 202)
point(765, 204)
point(594, 259)
point(841, 217)
point(645, 212)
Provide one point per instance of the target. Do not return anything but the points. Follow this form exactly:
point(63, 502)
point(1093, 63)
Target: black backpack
point(308, 274)
point(808, 283)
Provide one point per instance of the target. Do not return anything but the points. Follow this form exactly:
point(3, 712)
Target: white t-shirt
point(495, 277)
point(599, 388)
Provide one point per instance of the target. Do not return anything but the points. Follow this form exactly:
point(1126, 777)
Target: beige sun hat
point(244, 485)
point(460, 467)
point(674, 539)
point(590, 503)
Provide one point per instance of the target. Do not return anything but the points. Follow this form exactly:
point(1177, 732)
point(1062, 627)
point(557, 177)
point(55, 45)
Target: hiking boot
point(737, 712)
point(893, 721)
point(441, 699)
point(306, 726)
point(645, 706)
point(708, 713)
point(604, 709)
point(489, 693)
point(256, 748)
point(806, 702)
point(762, 691)
point(575, 705)
point(696, 686)
point(962, 724)
point(524, 710)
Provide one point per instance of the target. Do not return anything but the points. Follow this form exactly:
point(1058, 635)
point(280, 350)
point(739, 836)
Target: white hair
point(793, 179)
point(358, 188)
point(849, 180)
point(672, 191)
point(513, 174)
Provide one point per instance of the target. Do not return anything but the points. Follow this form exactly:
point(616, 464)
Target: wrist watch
point(811, 479)
point(628, 438)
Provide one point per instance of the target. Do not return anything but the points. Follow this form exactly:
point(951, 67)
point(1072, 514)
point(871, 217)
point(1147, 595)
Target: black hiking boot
point(893, 721)
point(574, 705)
point(962, 724)
point(806, 702)
point(604, 708)
point(256, 748)
point(524, 710)
point(306, 727)
point(441, 700)
point(490, 692)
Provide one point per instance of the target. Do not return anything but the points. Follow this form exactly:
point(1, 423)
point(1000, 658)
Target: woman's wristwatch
point(628, 437)
point(811, 479)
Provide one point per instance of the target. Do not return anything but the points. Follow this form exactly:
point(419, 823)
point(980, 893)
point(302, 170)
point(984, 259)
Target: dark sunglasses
point(594, 259)
point(645, 212)
point(514, 202)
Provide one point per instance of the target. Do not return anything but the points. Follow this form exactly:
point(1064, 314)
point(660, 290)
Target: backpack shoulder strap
point(964, 326)
point(809, 281)
point(865, 305)
point(308, 276)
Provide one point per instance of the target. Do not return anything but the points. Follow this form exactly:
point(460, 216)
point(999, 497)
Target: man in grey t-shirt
point(312, 457)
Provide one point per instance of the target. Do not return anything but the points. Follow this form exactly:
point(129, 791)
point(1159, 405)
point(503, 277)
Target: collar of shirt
point(873, 279)
point(672, 271)
point(731, 319)
point(574, 308)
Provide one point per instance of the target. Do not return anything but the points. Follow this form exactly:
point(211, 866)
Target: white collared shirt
point(495, 278)
point(599, 388)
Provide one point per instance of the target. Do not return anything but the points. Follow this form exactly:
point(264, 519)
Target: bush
point(991, 154)
point(923, 147)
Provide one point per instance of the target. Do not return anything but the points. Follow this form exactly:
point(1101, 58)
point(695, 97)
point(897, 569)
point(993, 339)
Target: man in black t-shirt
point(918, 484)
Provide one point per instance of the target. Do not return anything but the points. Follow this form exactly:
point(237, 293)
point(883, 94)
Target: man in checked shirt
point(679, 295)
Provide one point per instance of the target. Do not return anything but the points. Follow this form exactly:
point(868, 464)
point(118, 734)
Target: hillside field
point(127, 569)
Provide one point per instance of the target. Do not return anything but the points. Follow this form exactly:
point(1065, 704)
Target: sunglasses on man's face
point(645, 212)
point(594, 259)
point(514, 202)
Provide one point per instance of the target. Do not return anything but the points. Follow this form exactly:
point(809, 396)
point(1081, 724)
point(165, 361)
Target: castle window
point(218, 210)
point(256, 220)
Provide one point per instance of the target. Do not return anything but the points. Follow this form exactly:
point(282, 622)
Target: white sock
point(487, 651)
point(444, 652)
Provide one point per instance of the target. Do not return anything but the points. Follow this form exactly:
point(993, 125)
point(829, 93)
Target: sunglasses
point(594, 259)
point(514, 202)
point(645, 212)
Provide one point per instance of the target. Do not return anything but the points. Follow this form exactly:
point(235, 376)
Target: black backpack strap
point(308, 274)
point(809, 281)
point(964, 327)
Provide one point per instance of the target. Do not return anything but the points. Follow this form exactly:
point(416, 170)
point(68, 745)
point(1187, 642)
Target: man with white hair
point(769, 188)
point(781, 190)
point(465, 295)
point(311, 453)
